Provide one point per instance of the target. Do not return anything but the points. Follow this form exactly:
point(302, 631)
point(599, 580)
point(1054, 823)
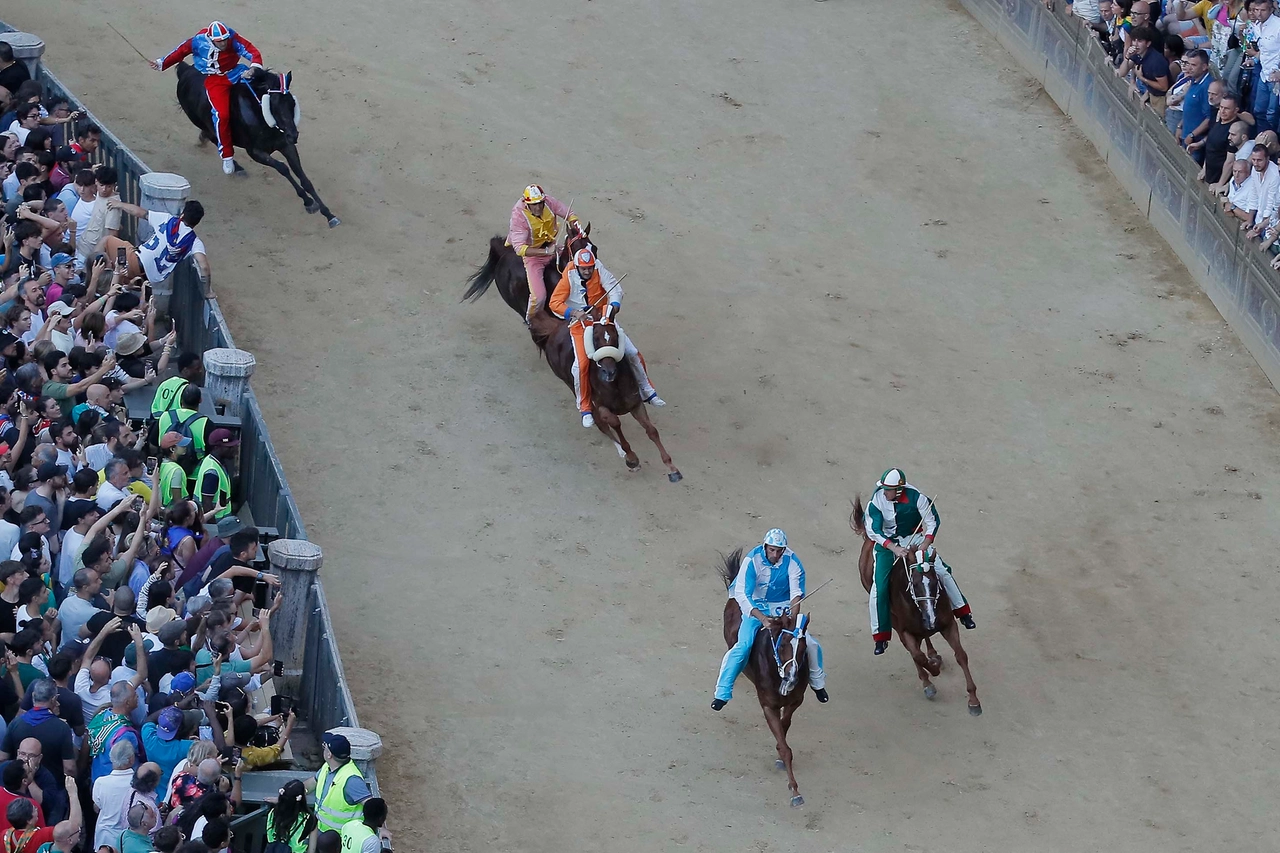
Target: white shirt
point(71, 541)
point(1245, 150)
point(1268, 35)
point(37, 323)
point(10, 186)
point(112, 336)
point(66, 457)
point(82, 212)
point(108, 495)
point(1268, 188)
point(109, 795)
point(1087, 10)
point(94, 700)
point(62, 340)
point(97, 455)
point(159, 255)
point(1244, 196)
point(20, 131)
point(9, 535)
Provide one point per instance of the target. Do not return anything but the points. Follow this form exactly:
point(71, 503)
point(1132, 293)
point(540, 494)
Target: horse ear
point(288, 78)
point(588, 231)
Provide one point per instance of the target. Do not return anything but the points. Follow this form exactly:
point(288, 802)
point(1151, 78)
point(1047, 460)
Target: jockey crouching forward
point(584, 287)
point(532, 233)
point(770, 584)
point(900, 520)
point(216, 51)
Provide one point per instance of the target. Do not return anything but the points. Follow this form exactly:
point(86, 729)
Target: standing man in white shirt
point(1264, 45)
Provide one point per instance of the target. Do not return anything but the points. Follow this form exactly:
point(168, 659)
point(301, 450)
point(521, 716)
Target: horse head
point(604, 347)
point(924, 588)
point(576, 239)
point(279, 106)
point(789, 649)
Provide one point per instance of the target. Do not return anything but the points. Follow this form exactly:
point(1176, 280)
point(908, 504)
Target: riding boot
point(647, 391)
point(882, 646)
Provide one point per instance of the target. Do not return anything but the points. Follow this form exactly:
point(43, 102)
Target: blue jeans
point(1264, 104)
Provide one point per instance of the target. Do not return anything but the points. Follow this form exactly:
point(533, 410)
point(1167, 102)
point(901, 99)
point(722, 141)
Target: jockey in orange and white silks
point(588, 290)
point(532, 233)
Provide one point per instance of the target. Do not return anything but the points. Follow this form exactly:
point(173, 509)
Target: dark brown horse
point(913, 607)
point(778, 667)
point(614, 389)
point(505, 268)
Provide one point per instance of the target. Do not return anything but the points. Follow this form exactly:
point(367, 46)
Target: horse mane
point(729, 565)
point(856, 517)
point(541, 328)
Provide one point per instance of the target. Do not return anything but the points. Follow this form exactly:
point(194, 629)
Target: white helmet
point(776, 538)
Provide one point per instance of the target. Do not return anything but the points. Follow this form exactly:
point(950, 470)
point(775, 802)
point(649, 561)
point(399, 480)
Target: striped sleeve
point(743, 584)
point(795, 574)
point(873, 523)
point(928, 515)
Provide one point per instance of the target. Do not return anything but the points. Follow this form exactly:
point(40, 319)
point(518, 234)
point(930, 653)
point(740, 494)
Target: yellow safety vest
point(170, 471)
point(210, 463)
point(173, 418)
point(354, 835)
point(167, 395)
point(334, 812)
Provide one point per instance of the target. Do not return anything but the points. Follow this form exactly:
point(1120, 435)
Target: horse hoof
point(779, 764)
point(634, 466)
point(675, 476)
point(936, 662)
point(975, 710)
point(314, 207)
point(334, 222)
point(930, 692)
point(797, 801)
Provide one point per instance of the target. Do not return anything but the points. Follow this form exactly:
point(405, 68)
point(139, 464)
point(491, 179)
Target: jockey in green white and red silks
point(898, 515)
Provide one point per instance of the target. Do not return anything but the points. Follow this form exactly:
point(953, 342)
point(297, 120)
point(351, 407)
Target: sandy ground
point(848, 248)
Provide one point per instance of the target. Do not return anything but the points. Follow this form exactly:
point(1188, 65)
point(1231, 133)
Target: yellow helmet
point(533, 194)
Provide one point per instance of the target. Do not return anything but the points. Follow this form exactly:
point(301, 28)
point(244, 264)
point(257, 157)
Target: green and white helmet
point(893, 478)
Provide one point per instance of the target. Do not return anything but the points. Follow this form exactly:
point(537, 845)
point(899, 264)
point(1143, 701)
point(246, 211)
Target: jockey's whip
point(567, 214)
point(812, 593)
point(126, 41)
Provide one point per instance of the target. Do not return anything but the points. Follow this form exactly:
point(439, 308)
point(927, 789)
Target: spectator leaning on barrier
point(1217, 141)
point(1195, 110)
point(1266, 178)
point(1241, 202)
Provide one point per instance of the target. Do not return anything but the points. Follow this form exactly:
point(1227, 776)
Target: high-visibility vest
point(167, 395)
point(210, 463)
point(297, 841)
point(170, 471)
point(173, 418)
point(354, 835)
point(334, 812)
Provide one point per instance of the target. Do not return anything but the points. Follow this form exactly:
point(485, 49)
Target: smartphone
point(278, 668)
point(146, 291)
point(152, 462)
point(260, 594)
point(121, 260)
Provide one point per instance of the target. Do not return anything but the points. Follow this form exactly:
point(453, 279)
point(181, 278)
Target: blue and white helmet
point(219, 30)
point(776, 538)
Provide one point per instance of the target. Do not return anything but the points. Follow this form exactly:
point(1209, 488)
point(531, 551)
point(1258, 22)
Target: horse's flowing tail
point(479, 283)
point(856, 517)
point(729, 565)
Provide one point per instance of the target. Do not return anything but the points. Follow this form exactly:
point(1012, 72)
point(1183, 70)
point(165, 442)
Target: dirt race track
point(849, 246)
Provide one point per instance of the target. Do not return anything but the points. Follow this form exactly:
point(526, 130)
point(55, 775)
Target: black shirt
point(13, 77)
point(164, 661)
point(70, 707)
point(8, 617)
point(1215, 150)
point(54, 736)
point(114, 644)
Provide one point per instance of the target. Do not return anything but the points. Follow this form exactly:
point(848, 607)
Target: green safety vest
point(208, 464)
point(334, 812)
point(166, 476)
point(298, 841)
point(167, 395)
point(170, 420)
point(354, 834)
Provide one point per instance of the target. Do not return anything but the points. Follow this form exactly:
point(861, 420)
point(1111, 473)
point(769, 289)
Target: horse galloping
point(778, 667)
point(264, 120)
point(614, 389)
point(505, 268)
point(913, 605)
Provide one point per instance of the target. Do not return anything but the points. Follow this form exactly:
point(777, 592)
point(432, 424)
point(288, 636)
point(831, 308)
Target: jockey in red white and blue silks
point(769, 584)
point(216, 52)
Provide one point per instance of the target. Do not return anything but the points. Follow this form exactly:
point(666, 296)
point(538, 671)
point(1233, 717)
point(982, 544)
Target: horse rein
point(796, 633)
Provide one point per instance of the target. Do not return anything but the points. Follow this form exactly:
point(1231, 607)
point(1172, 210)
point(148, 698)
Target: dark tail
point(479, 283)
point(855, 517)
point(729, 565)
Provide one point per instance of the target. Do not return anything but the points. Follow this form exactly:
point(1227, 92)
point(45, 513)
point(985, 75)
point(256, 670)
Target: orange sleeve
point(561, 295)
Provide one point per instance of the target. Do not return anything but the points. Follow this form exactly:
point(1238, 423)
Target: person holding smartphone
point(173, 241)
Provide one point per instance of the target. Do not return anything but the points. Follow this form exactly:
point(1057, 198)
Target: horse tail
point(729, 565)
point(856, 517)
point(541, 328)
point(479, 283)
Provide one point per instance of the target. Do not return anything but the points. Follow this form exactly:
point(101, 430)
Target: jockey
point(533, 235)
point(216, 51)
point(769, 584)
point(892, 520)
point(578, 299)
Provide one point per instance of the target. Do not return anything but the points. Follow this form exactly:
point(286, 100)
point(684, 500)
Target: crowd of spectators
point(1211, 71)
point(135, 609)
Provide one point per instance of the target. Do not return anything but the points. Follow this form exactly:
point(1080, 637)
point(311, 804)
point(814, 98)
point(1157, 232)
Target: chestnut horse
point(778, 667)
point(614, 389)
point(505, 268)
point(913, 607)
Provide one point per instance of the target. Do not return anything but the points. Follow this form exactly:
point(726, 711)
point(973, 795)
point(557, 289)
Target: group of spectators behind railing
point(136, 621)
point(1211, 70)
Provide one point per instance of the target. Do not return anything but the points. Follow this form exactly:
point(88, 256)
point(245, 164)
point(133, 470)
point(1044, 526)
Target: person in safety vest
point(169, 392)
point(769, 585)
point(366, 835)
point(186, 420)
point(580, 298)
point(171, 477)
point(211, 483)
point(534, 224)
point(216, 51)
point(339, 788)
point(901, 520)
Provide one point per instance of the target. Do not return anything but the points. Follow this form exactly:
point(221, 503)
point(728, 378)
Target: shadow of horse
point(264, 120)
point(913, 608)
point(782, 678)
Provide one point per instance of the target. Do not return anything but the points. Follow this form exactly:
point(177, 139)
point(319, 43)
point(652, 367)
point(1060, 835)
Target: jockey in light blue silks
point(900, 520)
point(769, 584)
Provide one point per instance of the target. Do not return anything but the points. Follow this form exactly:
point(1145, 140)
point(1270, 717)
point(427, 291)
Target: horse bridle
point(283, 89)
point(911, 586)
point(797, 633)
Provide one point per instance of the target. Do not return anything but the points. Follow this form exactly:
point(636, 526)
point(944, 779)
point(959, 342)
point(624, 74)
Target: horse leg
point(952, 636)
point(912, 646)
point(633, 461)
point(935, 659)
point(267, 160)
point(640, 414)
point(774, 719)
point(290, 153)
